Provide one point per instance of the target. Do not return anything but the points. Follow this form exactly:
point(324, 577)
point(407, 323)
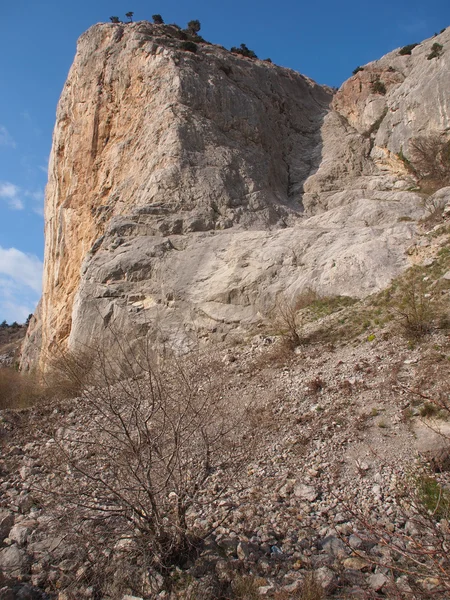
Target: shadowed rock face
point(177, 187)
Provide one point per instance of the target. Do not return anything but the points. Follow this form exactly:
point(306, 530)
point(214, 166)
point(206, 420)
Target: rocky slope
point(336, 426)
point(183, 187)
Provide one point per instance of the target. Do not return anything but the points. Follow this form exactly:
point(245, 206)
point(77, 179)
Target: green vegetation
point(189, 46)
point(433, 497)
point(378, 87)
point(407, 49)
point(436, 51)
point(357, 70)
point(194, 27)
point(114, 19)
point(243, 51)
point(129, 16)
point(158, 20)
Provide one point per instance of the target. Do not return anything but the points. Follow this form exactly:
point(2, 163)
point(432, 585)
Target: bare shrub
point(430, 158)
point(18, 390)
point(69, 372)
point(148, 454)
point(413, 306)
point(287, 316)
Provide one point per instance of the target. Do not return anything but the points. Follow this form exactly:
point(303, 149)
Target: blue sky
point(325, 40)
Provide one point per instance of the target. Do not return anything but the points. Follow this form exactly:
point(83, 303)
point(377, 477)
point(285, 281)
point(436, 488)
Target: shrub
point(133, 472)
point(436, 51)
point(287, 318)
point(188, 46)
point(413, 306)
point(243, 51)
point(114, 19)
point(18, 390)
point(430, 158)
point(407, 49)
point(158, 20)
point(357, 70)
point(378, 87)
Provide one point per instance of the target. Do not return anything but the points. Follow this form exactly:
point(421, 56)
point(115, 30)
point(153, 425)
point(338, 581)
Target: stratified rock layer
point(178, 182)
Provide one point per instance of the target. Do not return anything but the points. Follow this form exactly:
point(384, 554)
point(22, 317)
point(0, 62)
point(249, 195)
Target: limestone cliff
point(177, 185)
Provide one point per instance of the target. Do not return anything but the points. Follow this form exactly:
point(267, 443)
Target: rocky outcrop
point(373, 117)
point(178, 185)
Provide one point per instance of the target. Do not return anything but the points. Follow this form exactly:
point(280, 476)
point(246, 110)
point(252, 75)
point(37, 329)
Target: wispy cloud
point(20, 284)
point(15, 197)
point(5, 138)
point(37, 198)
point(11, 193)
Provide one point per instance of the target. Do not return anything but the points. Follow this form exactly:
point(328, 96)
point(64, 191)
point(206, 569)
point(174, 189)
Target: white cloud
point(5, 138)
point(11, 193)
point(14, 195)
point(23, 269)
point(20, 284)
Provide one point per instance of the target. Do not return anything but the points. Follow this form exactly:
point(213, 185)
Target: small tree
point(129, 16)
point(114, 19)
point(158, 20)
point(243, 51)
point(194, 27)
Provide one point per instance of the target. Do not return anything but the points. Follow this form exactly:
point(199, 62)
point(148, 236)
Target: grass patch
point(433, 497)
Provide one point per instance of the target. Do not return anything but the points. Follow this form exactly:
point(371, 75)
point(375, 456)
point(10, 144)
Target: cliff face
point(178, 182)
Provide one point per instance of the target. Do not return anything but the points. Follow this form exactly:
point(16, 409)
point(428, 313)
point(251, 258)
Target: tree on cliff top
point(194, 26)
point(158, 20)
point(114, 19)
point(129, 16)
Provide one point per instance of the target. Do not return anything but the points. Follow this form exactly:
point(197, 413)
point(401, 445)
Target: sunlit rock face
point(187, 191)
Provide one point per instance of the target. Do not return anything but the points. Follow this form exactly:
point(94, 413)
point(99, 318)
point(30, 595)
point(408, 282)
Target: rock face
point(373, 117)
point(178, 184)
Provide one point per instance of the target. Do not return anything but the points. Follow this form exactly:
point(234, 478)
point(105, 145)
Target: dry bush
point(430, 159)
point(69, 372)
point(288, 318)
point(413, 306)
point(18, 390)
point(153, 446)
